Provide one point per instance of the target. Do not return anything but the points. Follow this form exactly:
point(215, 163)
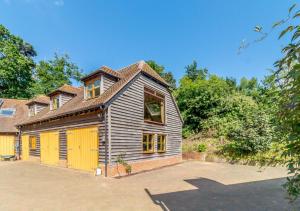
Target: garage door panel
point(7, 145)
point(83, 148)
point(25, 147)
point(49, 142)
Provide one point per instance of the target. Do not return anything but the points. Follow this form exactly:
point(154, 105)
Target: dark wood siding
point(107, 82)
point(62, 125)
point(127, 123)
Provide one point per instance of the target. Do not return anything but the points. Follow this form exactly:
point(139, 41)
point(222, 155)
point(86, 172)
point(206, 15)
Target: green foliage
point(120, 160)
point(273, 156)
point(16, 66)
point(198, 99)
point(193, 72)
point(288, 78)
point(168, 76)
point(52, 74)
point(202, 148)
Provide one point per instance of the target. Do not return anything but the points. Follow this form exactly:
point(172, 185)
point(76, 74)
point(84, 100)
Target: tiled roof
point(7, 124)
point(39, 99)
point(65, 88)
point(103, 69)
point(78, 103)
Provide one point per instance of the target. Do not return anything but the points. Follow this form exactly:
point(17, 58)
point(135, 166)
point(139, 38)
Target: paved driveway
point(187, 186)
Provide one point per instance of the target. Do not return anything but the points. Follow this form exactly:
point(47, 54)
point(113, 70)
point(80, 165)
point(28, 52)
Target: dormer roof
point(68, 89)
point(40, 99)
point(105, 70)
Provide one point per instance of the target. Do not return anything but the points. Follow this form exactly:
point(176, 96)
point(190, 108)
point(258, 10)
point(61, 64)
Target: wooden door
point(83, 149)
point(7, 145)
point(25, 147)
point(49, 145)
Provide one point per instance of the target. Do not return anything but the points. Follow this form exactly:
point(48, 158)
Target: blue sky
point(117, 33)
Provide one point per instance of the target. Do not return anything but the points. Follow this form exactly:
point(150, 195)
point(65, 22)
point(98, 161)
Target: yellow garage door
point(7, 145)
point(83, 148)
point(25, 147)
point(49, 145)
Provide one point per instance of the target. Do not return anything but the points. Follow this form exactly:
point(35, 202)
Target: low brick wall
point(139, 166)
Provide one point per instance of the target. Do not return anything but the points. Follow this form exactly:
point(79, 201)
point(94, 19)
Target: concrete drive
point(187, 186)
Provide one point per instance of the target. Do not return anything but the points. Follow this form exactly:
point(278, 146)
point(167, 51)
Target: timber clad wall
point(107, 82)
point(65, 98)
point(87, 120)
point(127, 123)
point(39, 107)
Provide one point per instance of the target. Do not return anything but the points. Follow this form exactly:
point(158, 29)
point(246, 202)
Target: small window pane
point(148, 143)
point(97, 83)
point(97, 92)
point(90, 87)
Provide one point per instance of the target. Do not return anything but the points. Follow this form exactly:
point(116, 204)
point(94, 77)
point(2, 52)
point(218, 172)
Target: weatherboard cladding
point(108, 82)
point(62, 126)
point(127, 123)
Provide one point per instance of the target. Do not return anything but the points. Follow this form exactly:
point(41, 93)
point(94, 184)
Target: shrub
point(201, 148)
point(120, 160)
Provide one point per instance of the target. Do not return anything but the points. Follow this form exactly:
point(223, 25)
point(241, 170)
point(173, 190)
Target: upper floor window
point(154, 106)
point(55, 103)
point(92, 89)
point(32, 110)
point(7, 112)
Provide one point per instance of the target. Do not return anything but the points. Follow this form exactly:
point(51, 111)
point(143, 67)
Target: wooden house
point(128, 114)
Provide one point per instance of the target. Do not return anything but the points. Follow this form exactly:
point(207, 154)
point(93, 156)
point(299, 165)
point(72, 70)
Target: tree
point(193, 72)
point(50, 75)
point(197, 100)
point(16, 65)
point(168, 76)
point(288, 81)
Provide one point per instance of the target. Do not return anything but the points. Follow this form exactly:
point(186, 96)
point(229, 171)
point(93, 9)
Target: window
point(55, 103)
point(93, 89)
point(32, 110)
point(32, 142)
point(7, 112)
point(148, 143)
point(154, 106)
point(161, 143)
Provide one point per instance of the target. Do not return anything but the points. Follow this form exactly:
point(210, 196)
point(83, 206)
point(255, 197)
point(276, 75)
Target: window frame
point(56, 105)
point(32, 142)
point(162, 98)
point(93, 88)
point(148, 151)
point(13, 110)
point(164, 143)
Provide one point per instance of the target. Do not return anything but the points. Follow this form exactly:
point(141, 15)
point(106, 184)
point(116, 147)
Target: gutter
point(105, 108)
point(18, 151)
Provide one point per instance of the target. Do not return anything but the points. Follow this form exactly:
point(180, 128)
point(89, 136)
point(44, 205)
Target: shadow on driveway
point(212, 195)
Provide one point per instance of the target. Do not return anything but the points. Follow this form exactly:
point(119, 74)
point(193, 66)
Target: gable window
point(55, 103)
point(32, 110)
point(148, 143)
point(32, 142)
point(93, 89)
point(7, 112)
point(154, 106)
point(161, 143)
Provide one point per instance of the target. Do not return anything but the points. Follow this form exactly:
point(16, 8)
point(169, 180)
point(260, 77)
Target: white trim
point(101, 84)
